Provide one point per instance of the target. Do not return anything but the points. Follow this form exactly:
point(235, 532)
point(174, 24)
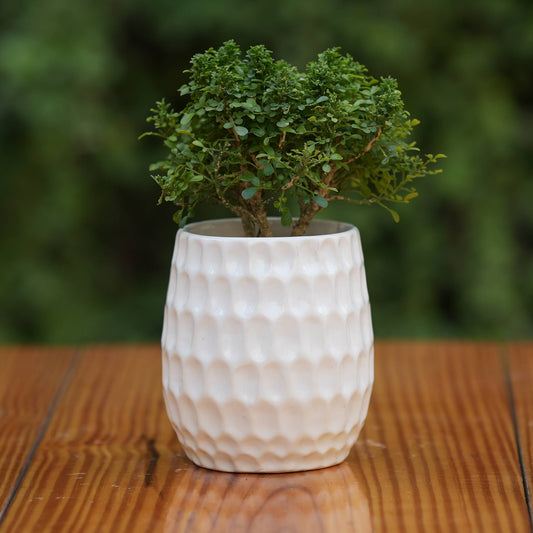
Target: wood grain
point(438, 451)
point(520, 357)
point(98, 465)
point(29, 381)
point(437, 454)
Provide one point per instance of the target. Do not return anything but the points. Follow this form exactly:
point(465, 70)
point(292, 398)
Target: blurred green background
point(85, 252)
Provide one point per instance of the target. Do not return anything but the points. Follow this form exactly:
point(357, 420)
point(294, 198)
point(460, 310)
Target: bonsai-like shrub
point(257, 135)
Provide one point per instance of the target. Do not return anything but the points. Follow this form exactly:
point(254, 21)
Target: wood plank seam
point(519, 449)
point(67, 378)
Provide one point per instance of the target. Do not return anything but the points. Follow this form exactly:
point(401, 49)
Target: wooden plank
point(520, 356)
point(98, 465)
point(437, 454)
point(29, 381)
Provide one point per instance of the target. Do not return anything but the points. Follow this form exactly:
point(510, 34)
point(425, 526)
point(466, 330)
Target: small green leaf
point(197, 178)
point(258, 132)
point(268, 170)
point(286, 219)
point(270, 151)
point(326, 167)
point(247, 176)
point(321, 99)
point(335, 157)
point(249, 192)
point(282, 123)
point(186, 118)
point(395, 215)
point(251, 103)
point(320, 200)
point(241, 131)
point(293, 204)
point(198, 143)
point(228, 125)
point(410, 196)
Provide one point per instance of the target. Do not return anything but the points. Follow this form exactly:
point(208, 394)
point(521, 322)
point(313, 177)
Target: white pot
point(267, 346)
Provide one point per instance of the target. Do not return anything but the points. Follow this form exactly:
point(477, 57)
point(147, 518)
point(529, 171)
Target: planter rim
point(321, 228)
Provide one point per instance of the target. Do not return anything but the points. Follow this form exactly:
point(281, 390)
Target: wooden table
point(85, 446)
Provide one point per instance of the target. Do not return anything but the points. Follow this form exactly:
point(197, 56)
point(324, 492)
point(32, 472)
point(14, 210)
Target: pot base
point(262, 468)
point(256, 456)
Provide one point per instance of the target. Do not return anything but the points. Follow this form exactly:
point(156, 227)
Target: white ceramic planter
point(267, 346)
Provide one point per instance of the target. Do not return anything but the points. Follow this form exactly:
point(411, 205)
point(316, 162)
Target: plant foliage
point(257, 132)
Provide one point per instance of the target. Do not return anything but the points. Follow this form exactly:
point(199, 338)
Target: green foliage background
point(85, 252)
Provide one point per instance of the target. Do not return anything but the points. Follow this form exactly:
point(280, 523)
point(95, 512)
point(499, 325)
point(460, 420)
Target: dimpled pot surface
point(267, 346)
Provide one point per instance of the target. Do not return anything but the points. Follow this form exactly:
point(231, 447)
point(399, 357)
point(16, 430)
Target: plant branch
point(368, 147)
point(291, 183)
point(235, 134)
point(311, 209)
point(256, 161)
point(346, 199)
point(282, 140)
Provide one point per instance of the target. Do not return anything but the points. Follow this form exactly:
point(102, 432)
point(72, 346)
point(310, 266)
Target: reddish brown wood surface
point(29, 381)
point(521, 380)
point(438, 453)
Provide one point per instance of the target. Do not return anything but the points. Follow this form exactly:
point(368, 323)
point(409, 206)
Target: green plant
point(258, 133)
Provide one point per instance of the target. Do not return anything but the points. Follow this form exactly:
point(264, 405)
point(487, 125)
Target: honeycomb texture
point(267, 349)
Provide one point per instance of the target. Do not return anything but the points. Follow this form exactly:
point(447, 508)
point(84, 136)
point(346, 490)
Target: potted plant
point(267, 338)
